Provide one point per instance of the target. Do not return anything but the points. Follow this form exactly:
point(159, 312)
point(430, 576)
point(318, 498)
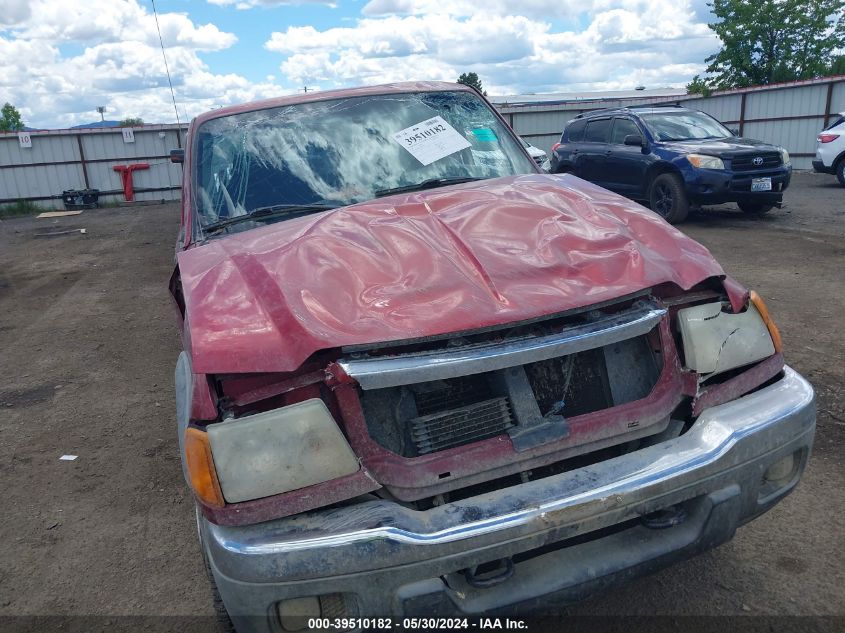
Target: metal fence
point(790, 114)
point(54, 161)
point(39, 166)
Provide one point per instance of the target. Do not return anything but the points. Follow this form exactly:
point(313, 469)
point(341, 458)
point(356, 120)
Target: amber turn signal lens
point(758, 302)
point(201, 467)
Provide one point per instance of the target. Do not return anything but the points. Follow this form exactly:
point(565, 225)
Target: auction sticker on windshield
point(431, 140)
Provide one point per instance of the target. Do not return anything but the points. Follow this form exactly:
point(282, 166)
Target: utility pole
point(305, 88)
point(101, 110)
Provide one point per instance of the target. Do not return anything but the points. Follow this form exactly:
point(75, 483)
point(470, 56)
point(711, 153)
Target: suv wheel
point(755, 208)
point(668, 198)
point(840, 171)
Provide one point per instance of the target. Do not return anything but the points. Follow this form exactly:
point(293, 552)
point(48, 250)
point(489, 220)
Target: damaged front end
point(430, 421)
point(506, 470)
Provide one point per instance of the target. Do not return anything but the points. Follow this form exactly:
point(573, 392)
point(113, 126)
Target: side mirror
point(177, 155)
point(734, 131)
point(634, 139)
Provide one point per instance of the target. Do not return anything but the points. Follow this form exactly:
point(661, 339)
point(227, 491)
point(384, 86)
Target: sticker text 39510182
point(431, 140)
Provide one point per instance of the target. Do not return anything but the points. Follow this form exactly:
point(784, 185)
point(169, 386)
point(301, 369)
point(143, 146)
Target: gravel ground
point(89, 340)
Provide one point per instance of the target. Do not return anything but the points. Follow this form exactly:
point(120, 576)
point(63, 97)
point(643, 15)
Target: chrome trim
point(709, 447)
point(393, 371)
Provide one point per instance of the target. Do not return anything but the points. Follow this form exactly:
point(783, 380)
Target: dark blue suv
point(672, 158)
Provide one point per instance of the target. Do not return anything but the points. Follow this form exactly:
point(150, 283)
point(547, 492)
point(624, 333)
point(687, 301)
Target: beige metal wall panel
point(542, 122)
point(36, 182)
point(723, 108)
point(837, 101)
point(45, 149)
point(786, 102)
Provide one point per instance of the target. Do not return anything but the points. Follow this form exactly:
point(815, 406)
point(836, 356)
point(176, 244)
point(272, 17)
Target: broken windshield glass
point(344, 151)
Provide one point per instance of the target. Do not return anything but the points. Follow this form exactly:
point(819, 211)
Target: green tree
point(698, 86)
point(131, 121)
point(767, 41)
point(471, 80)
point(10, 119)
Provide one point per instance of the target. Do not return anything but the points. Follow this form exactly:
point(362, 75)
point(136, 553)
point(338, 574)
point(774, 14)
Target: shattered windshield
point(302, 158)
point(684, 126)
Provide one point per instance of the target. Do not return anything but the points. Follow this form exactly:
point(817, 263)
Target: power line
point(160, 41)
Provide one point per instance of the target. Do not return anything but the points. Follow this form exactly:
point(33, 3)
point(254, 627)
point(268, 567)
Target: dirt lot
point(89, 341)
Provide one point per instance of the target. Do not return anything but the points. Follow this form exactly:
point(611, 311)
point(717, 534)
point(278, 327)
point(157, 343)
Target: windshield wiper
point(266, 213)
point(425, 184)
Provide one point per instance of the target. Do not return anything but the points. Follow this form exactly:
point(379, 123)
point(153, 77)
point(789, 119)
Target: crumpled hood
point(413, 265)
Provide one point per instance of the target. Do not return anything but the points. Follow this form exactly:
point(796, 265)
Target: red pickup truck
point(421, 377)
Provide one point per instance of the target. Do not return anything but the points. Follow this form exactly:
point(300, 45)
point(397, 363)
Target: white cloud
point(531, 8)
point(14, 11)
point(70, 57)
point(249, 4)
point(119, 63)
point(624, 43)
point(103, 21)
point(474, 40)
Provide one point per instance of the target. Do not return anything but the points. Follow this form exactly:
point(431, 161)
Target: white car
point(540, 157)
point(830, 154)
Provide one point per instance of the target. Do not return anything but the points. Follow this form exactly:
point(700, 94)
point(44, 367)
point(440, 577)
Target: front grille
point(428, 417)
point(764, 160)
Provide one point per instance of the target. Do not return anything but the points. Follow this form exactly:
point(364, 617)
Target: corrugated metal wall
point(84, 159)
point(790, 115)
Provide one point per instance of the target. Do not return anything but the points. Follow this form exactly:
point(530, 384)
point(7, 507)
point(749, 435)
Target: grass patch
point(20, 207)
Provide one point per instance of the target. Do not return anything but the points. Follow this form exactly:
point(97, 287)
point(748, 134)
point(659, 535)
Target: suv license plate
point(761, 184)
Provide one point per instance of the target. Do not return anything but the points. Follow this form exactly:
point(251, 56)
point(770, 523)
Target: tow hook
point(493, 573)
point(665, 518)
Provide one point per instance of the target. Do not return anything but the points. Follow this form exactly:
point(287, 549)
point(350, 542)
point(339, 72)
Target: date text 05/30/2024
point(417, 624)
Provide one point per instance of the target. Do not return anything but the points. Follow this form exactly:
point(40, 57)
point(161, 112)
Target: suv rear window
point(597, 131)
point(575, 131)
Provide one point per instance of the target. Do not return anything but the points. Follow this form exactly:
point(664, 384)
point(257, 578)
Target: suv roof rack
point(592, 112)
point(653, 105)
point(649, 106)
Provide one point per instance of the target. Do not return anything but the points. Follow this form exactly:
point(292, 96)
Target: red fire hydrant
point(126, 176)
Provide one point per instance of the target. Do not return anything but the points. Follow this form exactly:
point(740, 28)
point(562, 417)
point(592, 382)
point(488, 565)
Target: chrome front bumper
point(391, 560)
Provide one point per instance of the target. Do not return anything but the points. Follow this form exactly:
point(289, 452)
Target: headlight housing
point(268, 453)
point(784, 156)
point(702, 161)
point(716, 341)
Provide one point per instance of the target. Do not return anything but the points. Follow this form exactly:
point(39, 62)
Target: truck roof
point(325, 95)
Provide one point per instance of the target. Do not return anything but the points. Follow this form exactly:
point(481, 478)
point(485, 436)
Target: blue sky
point(254, 27)
point(106, 52)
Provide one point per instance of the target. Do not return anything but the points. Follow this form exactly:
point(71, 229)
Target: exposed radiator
point(427, 417)
point(454, 427)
